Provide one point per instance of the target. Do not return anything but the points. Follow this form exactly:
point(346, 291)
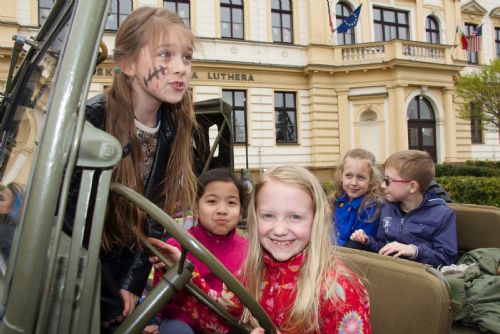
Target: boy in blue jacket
point(413, 223)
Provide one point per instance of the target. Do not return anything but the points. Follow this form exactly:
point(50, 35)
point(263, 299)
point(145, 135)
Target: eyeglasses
point(389, 181)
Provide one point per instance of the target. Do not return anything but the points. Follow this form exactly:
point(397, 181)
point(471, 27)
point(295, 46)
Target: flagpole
point(455, 44)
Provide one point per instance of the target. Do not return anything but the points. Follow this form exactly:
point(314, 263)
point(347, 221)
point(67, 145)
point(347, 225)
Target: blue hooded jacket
point(431, 228)
point(347, 219)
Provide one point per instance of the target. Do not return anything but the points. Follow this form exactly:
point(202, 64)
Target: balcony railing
point(378, 52)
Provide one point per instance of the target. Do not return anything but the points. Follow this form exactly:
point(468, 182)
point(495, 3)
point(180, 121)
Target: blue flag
point(349, 22)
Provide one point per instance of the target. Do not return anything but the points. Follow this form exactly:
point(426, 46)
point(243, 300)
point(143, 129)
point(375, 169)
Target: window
point(472, 57)
point(119, 11)
point(422, 126)
point(281, 12)
point(497, 41)
point(390, 24)
point(231, 18)
point(432, 30)
point(476, 125)
point(181, 7)
point(343, 11)
point(286, 117)
point(237, 99)
point(44, 7)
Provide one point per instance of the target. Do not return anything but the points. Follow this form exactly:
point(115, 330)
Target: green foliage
point(474, 190)
point(483, 169)
point(329, 187)
point(483, 163)
point(480, 93)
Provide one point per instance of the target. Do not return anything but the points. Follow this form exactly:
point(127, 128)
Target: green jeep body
point(50, 283)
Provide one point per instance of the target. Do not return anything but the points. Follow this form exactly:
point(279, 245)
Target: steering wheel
point(135, 324)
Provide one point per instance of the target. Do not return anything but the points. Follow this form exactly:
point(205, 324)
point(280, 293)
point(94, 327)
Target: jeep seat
point(478, 226)
point(405, 296)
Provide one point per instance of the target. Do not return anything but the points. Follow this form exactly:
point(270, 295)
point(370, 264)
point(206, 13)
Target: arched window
point(422, 126)
point(432, 30)
point(343, 11)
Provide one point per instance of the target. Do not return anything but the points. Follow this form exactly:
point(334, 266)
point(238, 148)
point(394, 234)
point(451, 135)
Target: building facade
point(302, 94)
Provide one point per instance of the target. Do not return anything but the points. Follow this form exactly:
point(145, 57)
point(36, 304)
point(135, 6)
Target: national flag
point(329, 16)
point(475, 40)
point(464, 42)
point(349, 22)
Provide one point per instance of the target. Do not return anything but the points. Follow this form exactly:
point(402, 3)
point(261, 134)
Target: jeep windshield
point(24, 112)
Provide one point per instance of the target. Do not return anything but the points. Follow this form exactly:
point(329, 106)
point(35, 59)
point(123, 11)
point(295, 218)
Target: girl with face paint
point(148, 108)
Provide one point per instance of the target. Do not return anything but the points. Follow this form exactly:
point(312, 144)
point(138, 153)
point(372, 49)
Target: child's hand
point(173, 254)
point(151, 329)
point(129, 302)
point(359, 236)
point(157, 264)
point(397, 249)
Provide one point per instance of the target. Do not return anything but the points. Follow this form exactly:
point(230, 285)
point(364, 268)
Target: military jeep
point(50, 283)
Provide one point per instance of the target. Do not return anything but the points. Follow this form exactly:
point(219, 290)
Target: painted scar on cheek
point(155, 73)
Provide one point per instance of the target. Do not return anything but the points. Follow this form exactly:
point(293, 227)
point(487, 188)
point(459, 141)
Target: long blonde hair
point(320, 260)
point(374, 194)
point(125, 223)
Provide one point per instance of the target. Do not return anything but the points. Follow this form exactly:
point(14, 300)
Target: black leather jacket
point(121, 267)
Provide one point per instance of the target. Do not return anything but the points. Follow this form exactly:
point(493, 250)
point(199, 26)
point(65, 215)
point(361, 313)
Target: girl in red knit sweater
point(219, 200)
point(291, 266)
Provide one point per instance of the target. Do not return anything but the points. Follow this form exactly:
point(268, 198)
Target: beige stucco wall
point(347, 96)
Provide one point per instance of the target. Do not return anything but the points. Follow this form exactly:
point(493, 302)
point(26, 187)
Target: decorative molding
point(495, 12)
point(473, 7)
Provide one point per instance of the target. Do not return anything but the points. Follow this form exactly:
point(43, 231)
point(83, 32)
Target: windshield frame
point(28, 266)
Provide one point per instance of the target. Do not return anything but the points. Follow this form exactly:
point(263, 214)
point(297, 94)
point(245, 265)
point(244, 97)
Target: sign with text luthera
point(105, 72)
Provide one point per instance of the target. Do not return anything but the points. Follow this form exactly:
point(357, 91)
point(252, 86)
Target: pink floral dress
point(351, 315)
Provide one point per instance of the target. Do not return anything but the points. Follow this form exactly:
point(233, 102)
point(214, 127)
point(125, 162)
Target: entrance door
point(422, 126)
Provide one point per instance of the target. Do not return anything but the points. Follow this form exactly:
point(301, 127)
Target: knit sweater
point(350, 315)
point(229, 249)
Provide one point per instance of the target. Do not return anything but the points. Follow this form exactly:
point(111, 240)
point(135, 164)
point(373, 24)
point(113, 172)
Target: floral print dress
point(351, 315)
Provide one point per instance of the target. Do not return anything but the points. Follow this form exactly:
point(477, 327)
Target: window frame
point(472, 57)
point(497, 41)
point(476, 125)
point(285, 110)
point(176, 3)
point(282, 13)
point(339, 18)
point(235, 109)
point(386, 24)
point(118, 15)
point(232, 7)
point(432, 33)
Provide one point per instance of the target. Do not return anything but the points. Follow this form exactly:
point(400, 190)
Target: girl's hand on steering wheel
point(170, 252)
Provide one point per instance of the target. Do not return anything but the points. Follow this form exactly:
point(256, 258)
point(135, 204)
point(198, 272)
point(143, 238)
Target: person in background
point(358, 197)
point(148, 108)
point(414, 224)
point(291, 266)
point(11, 205)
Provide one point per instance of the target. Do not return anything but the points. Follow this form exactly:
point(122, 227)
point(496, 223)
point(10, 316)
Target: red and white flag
point(474, 40)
